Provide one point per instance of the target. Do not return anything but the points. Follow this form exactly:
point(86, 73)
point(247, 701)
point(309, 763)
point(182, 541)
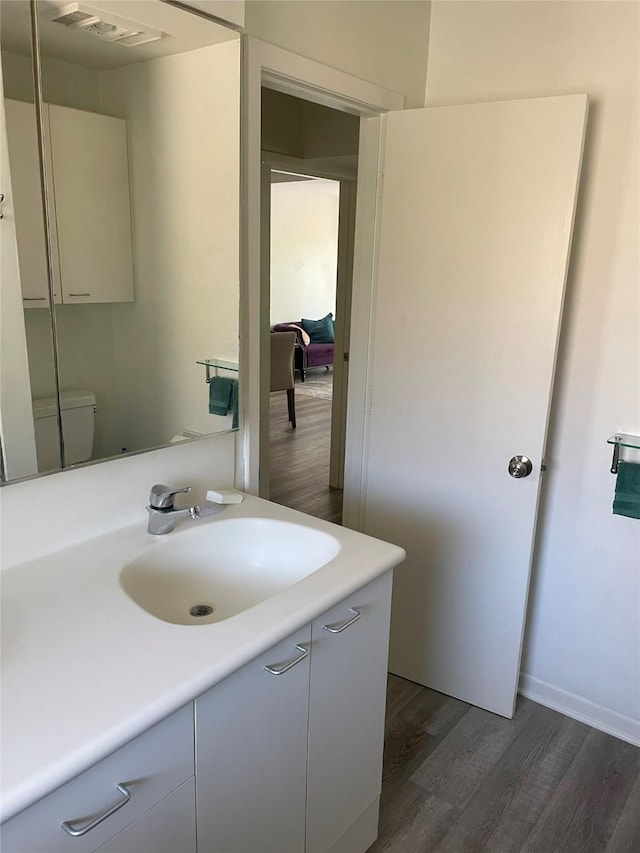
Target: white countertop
point(85, 669)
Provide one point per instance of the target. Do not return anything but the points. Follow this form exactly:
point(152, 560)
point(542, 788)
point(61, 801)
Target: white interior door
point(475, 216)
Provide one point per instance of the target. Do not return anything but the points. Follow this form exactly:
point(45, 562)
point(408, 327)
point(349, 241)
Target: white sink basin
point(223, 568)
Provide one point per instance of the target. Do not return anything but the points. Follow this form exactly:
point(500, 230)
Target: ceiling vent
point(106, 27)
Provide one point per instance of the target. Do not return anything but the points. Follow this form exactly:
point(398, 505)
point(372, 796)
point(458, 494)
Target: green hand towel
point(627, 497)
point(220, 389)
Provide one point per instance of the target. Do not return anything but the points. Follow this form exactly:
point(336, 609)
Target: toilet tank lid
point(46, 407)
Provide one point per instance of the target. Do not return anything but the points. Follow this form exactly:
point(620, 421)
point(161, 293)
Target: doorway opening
point(310, 159)
point(303, 277)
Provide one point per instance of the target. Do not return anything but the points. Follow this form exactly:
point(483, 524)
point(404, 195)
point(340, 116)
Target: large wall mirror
point(139, 251)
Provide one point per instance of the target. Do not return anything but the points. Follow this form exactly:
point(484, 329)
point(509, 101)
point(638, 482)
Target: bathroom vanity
point(262, 731)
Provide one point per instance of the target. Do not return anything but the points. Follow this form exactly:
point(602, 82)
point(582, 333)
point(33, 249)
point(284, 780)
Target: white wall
point(304, 249)
point(582, 640)
point(79, 504)
point(227, 10)
point(383, 41)
point(63, 83)
point(183, 114)
point(16, 421)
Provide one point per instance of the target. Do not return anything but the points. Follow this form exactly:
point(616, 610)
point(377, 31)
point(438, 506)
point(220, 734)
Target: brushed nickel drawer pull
point(79, 294)
point(33, 298)
point(285, 667)
point(339, 627)
point(76, 833)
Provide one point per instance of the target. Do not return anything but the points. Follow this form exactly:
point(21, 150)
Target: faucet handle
point(161, 496)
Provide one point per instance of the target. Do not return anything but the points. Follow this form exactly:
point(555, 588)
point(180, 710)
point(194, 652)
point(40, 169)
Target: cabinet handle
point(285, 667)
point(33, 298)
point(339, 627)
point(79, 294)
point(76, 833)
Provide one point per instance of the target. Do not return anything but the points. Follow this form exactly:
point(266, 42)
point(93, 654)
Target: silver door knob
point(520, 466)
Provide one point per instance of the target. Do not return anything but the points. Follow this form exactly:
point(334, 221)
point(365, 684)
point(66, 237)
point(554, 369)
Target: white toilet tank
point(78, 415)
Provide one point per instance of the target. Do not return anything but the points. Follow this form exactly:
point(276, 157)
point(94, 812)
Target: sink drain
point(201, 610)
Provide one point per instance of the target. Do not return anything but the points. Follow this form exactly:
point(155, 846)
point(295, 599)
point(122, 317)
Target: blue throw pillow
point(320, 331)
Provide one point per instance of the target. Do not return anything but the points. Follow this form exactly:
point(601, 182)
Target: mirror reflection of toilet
point(78, 419)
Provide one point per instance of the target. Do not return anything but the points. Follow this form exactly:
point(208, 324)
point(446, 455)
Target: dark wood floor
point(299, 475)
point(459, 780)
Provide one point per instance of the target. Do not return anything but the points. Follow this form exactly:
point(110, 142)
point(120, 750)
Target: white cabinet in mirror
point(90, 209)
point(140, 244)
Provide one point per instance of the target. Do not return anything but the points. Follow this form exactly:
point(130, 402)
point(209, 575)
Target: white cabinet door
point(24, 162)
point(475, 225)
point(346, 712)
point(92, 203)
point(251, 755)
point(150, 767)
point(169, 827)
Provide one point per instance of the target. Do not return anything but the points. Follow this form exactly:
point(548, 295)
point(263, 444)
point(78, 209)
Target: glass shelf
point(217, 362)
point(625, 440)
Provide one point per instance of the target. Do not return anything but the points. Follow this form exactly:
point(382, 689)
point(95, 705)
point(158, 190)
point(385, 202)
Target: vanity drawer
point(169, 827)
point(150, 767)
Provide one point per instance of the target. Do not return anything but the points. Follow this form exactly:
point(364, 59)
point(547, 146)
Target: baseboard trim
point(604, 719)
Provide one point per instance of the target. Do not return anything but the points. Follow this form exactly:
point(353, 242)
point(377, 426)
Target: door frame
point(342, 347)
point(264, 64)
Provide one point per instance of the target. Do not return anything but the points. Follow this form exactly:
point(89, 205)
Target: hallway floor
point(300, 457)
point(461, 780)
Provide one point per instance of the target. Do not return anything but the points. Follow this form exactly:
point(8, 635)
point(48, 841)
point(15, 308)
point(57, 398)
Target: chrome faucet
point(163, 515)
